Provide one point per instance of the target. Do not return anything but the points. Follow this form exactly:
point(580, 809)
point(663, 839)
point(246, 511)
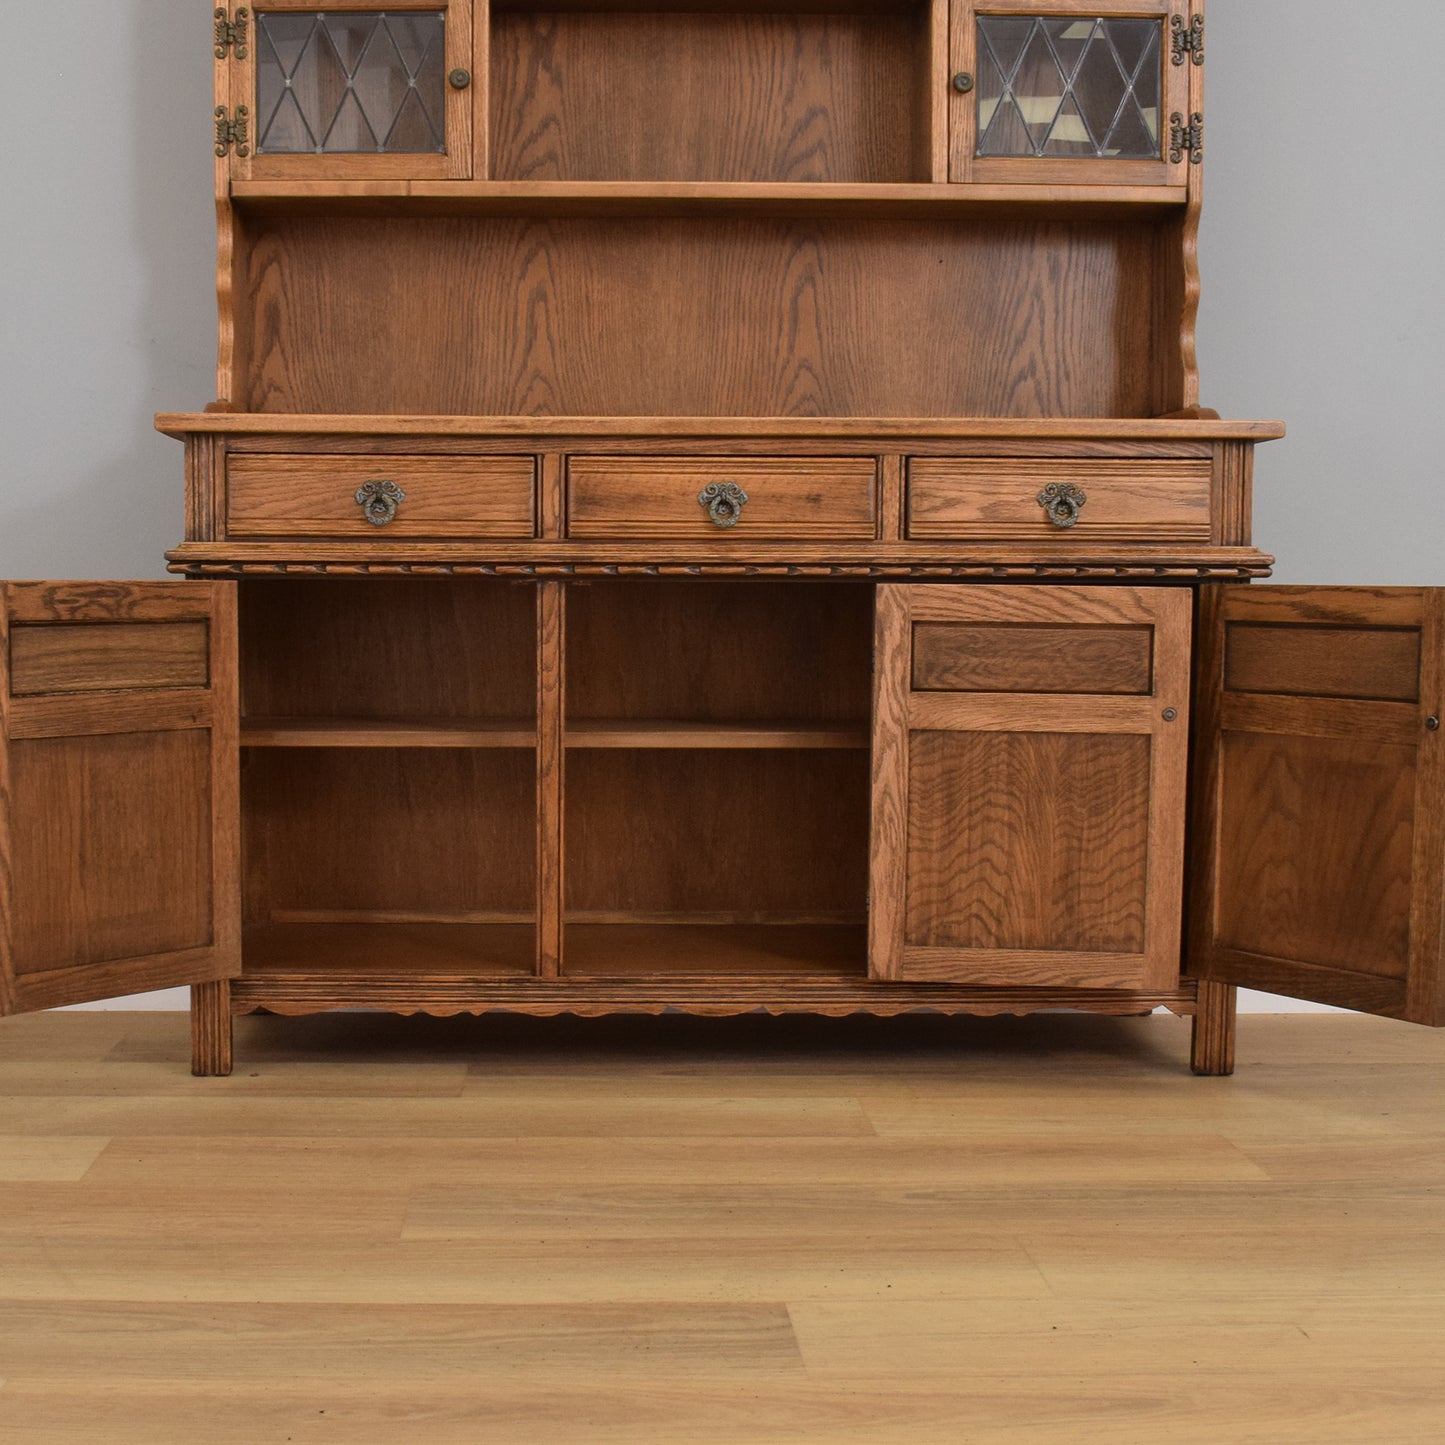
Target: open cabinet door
point(118, 789)
point(1319, 832)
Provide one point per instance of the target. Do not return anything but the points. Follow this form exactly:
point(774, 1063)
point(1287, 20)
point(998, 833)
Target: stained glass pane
point(334, 82)
point(1086, 86)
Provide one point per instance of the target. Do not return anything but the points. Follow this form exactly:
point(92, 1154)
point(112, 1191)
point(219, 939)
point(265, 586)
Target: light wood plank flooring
point(669, 1230)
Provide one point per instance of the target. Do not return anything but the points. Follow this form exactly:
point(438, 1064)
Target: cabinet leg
point(1212, 1045)
point(211, 1029)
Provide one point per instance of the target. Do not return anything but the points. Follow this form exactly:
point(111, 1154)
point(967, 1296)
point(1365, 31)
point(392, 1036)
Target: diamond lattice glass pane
point(337, 82)
point(1085, 86)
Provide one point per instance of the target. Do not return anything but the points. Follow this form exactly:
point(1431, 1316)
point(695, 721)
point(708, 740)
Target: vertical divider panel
point(551, 772)
point(935, 92)
point(480, 94)
point(888, 829)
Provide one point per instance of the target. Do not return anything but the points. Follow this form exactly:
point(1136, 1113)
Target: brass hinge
point(1187, 40)
point(235, 132)
point(231, 34)
point(1186, 139)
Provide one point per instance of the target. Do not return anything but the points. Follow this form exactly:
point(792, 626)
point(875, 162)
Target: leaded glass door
point(359, 89)
point(1059, 92)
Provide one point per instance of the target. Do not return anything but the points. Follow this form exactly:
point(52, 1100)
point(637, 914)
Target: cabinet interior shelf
point(330, 732)
point(593, 950)
point(518, 733)
point(388, 949)
point(672, 733)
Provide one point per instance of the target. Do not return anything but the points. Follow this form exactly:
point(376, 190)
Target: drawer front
point(756, 498)
point(1148, 500)
point(315, 495)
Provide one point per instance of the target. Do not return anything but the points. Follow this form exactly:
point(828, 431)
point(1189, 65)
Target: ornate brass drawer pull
point(1062, 502)
point(379, 500)
point(724, 502)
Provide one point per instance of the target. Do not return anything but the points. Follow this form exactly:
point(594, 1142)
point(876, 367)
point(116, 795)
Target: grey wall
point(1321, 250)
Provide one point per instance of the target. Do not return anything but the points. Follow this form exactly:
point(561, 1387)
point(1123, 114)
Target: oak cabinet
point(708, 508)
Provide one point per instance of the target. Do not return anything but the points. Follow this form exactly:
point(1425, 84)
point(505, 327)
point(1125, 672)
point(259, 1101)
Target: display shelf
point(312, 732)
point(900, 199)
point(678, 733)
point(463, 950)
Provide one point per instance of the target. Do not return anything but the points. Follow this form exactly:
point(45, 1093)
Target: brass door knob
point(379, 500)
point(724, 502)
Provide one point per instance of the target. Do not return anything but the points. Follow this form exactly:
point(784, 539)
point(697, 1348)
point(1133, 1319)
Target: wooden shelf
point(869, 429)
point(672, 733)
point(629, 950)
point(305, 732)
point(681, 198)
point(389, 949)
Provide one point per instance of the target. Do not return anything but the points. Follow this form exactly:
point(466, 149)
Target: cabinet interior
point(749, 95)
point(888, 315)
point(715, 806)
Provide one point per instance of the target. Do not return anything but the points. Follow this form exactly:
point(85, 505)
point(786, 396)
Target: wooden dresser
point(709, 509)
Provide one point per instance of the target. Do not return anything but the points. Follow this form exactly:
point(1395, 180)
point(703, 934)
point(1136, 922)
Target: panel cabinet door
point(118, 789)
point(1061, 92)
point(1030, 753)
point(361, 89)
point(1319, 832)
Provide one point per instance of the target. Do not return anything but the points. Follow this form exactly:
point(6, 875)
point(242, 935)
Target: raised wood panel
point(107, 657)
point(803, 497)
point(388, 649)
point(1003, 657)
point(431, 833)
point(1319, 836)
point(751, 317)
point(1029, 837)
point(77, 903)
point(718, 652)
point(1027, 841)
point(1323, 662)
point(697, 95)
point(1347, 806)
point(1127, 500)
point(309, 495)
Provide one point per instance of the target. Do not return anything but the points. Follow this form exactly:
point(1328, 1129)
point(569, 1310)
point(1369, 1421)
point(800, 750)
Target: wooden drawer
point(965, 498)
point(786, 497)
point(316, 495)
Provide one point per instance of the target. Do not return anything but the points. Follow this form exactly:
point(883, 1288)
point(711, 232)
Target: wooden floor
point(667, 1230)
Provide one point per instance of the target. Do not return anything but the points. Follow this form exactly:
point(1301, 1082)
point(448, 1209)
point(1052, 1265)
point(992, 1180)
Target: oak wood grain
point(1126, 500)
point(119, 834)
point(804, 497)
point(311, 495)
point(107, 657)
point(802, 318)
point(794, 97)
point(1033, 658)
point(1320, 861)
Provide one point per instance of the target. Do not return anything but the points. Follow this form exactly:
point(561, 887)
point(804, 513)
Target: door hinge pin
point(1186, 139)
point(1187, 41)
point(231, 34)
point(235, 132)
